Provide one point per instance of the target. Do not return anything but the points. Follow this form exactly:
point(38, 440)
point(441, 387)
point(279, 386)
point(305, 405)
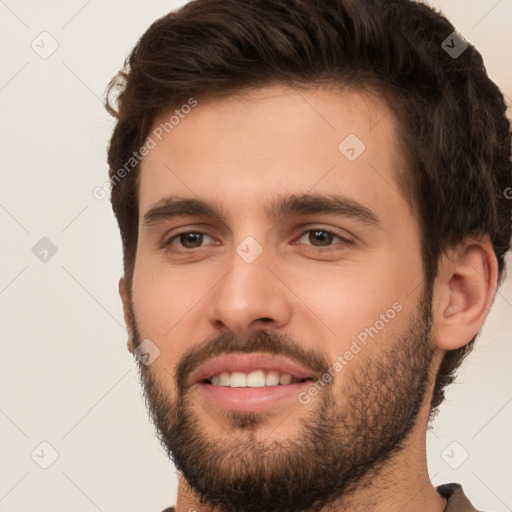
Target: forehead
point(247, 148)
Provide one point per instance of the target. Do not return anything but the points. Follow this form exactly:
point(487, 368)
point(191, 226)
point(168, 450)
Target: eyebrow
point(170, 207)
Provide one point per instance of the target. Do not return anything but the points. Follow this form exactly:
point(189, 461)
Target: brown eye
point(318, 237)
point(321, 236)
point(187, 240)
point(191, 240)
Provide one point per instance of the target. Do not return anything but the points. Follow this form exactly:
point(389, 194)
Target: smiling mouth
point(254, 379)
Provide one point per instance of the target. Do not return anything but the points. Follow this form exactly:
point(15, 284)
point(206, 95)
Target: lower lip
point(250, 399)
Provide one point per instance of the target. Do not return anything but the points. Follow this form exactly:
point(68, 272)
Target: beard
point(343, 440)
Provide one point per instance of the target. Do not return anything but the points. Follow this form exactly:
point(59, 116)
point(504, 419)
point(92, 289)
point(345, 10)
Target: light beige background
point(66, 376)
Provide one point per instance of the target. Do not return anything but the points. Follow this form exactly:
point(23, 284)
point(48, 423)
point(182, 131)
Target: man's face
point(336, 298)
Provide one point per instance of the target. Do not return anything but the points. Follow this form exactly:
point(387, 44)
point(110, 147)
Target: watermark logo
point(147, 352)
point(455, 455)
point(44, 250)
point(351, 147)
point(249, 249)
point(45, 45)
point(454, 45)
point(44, 455)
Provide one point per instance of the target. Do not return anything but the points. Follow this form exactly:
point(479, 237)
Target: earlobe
point(466, 285)
point(125, 297)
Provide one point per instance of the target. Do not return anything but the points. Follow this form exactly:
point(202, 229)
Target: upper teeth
point(255, 379)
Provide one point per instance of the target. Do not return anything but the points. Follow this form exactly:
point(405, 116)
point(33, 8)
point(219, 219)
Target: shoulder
point(457, 501)
point(453, 492)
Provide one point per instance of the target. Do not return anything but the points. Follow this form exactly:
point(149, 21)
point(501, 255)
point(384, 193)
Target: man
point(312, 202)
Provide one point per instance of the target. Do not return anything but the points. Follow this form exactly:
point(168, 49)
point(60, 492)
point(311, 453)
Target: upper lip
point(247, 363)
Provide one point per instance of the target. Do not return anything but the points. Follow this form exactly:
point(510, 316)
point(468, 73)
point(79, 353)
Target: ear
point(125, 297)
point(465, 289)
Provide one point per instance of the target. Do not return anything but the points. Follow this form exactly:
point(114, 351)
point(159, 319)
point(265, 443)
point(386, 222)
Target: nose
point(250, 296)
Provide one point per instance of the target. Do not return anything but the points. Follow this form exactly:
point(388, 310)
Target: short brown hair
point(454, 131)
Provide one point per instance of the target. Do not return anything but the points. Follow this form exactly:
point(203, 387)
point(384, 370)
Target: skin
point(241, 151)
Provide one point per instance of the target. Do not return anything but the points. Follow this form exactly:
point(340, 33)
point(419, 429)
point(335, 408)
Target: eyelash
point(168, 244)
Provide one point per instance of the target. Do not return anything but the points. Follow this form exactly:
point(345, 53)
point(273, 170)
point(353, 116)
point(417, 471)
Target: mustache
point(258, 341)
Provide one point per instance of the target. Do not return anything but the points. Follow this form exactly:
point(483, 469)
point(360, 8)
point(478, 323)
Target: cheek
point(165, 298)
point(348, 299)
